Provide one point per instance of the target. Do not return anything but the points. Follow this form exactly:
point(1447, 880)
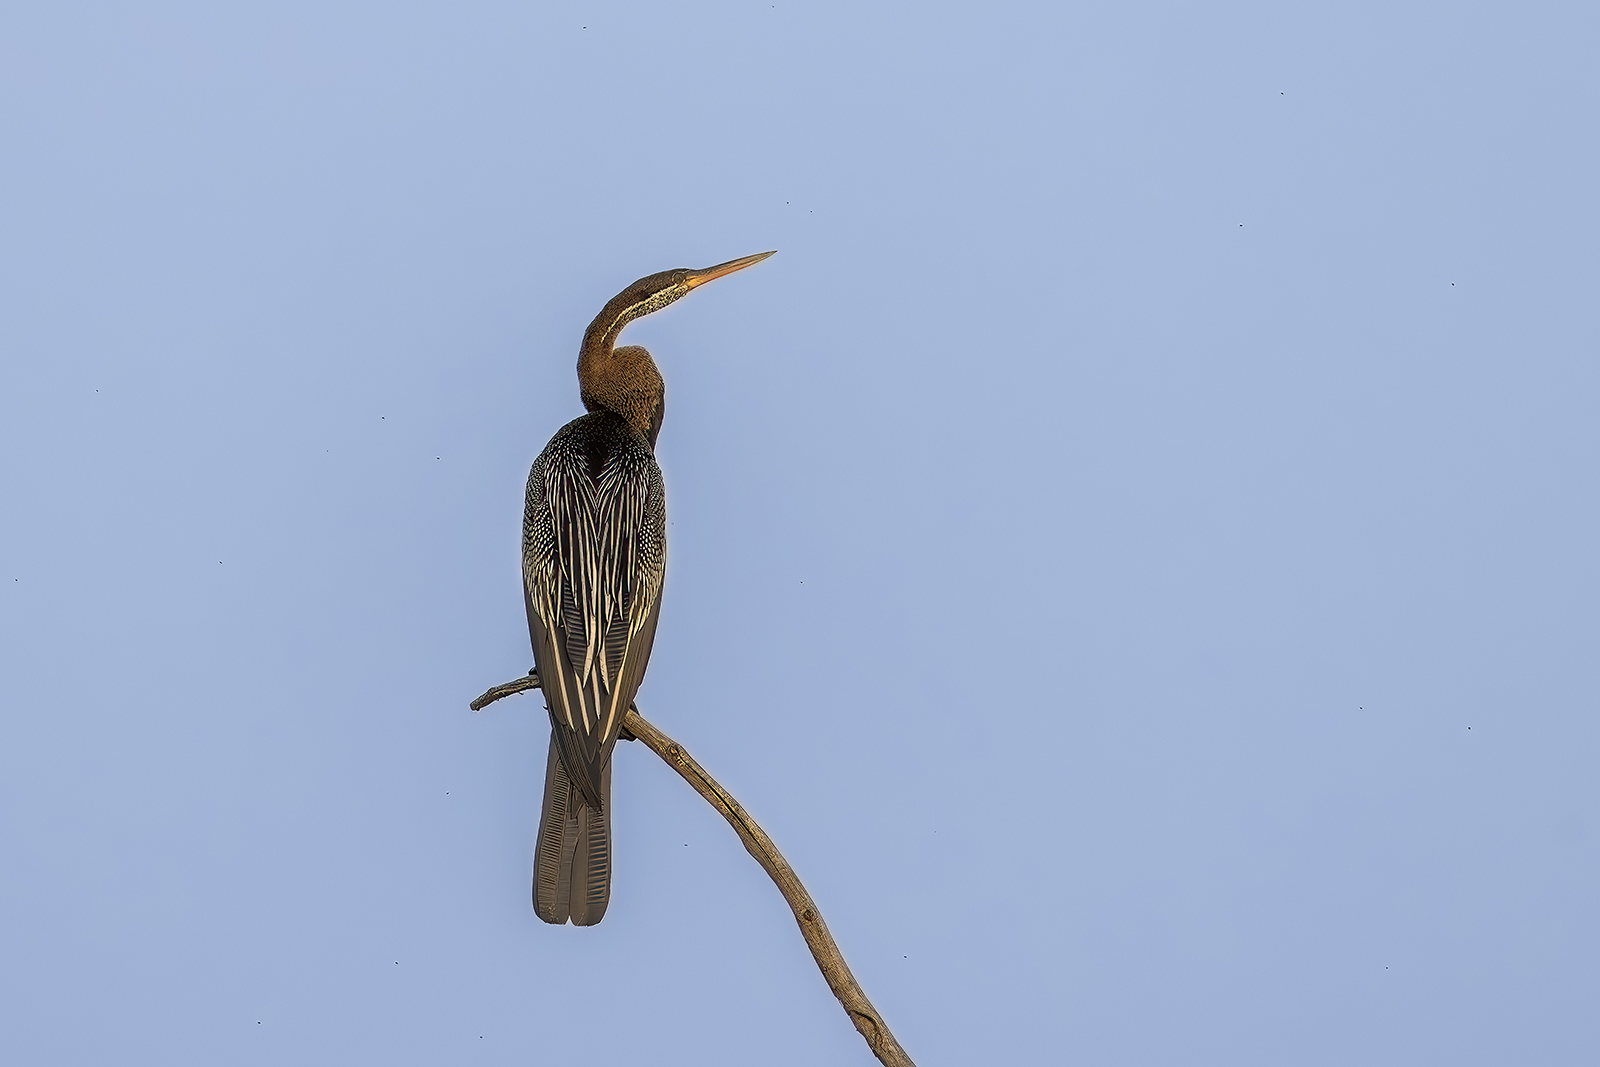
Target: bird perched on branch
point(593, 557)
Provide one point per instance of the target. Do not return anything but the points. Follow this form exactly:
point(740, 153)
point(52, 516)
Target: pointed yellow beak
point(711, 274)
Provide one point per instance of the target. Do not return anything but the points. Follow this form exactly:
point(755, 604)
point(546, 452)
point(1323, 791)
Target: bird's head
point(654, 292)
point(625, 380)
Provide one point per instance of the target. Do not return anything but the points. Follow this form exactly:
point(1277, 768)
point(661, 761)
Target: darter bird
point(593, 557)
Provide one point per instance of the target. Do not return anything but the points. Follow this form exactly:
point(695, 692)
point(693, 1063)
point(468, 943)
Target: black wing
point(593, 558)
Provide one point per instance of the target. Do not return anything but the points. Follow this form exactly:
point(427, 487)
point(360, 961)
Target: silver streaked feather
point(594, 555)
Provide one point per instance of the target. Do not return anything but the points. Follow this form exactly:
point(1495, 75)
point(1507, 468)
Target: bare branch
point(830, 961)
point(521, 685)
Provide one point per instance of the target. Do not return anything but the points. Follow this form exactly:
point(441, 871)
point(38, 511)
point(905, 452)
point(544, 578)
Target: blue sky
point(1133, 547)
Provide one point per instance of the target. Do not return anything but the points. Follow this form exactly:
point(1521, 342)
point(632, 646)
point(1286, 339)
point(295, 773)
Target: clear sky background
point(1134, 547)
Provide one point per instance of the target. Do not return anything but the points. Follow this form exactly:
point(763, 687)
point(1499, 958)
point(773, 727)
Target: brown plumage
point(593, 559)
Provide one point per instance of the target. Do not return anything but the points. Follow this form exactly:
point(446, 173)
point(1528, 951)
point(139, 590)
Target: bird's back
point(593, 556)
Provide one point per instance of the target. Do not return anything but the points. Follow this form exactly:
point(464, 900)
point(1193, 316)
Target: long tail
point(572, 860)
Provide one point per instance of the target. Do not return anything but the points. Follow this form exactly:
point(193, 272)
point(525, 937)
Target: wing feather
point(593, 562)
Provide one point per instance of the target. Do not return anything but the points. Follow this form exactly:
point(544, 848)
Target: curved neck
point(625, 380)
point(601, 336)
point(640, 298)
point(598, 351)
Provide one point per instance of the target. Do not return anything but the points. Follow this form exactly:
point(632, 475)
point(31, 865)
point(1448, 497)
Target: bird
point(593, 561)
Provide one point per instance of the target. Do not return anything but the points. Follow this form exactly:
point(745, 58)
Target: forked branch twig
point(830, 961)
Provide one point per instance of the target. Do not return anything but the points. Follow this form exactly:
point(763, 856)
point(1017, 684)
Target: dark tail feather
point(572, 860)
